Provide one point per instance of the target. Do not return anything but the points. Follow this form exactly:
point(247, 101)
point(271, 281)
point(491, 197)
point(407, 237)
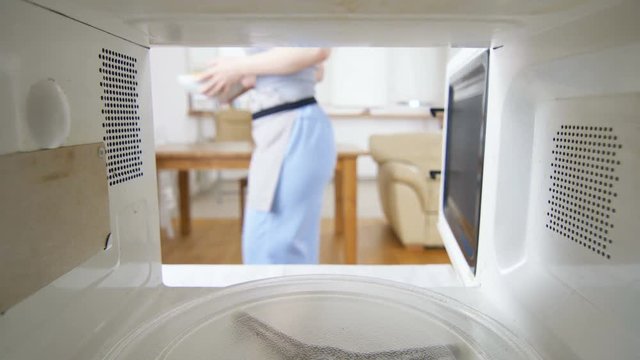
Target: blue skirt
point(290, 232)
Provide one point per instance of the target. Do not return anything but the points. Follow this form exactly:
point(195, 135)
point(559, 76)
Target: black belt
point(284, 107)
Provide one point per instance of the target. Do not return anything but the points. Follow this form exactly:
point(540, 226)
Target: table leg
point(349, 200)
point(243, 183)
point(185, 206)
point(338, 218)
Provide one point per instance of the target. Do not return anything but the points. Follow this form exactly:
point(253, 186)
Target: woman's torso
point(289, 87)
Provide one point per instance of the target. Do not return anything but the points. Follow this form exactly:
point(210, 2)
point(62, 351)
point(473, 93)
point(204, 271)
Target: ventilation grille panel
point(121, 120)
point(582, 204)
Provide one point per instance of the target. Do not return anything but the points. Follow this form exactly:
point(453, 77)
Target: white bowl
point(190, 83)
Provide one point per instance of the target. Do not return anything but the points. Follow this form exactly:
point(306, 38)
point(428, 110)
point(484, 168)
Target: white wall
point(378, 79)
point(355, 77)
point(417, 74)
point(383, 77)
point(171, 123)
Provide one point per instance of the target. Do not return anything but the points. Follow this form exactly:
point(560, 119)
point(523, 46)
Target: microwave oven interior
point(557, 272)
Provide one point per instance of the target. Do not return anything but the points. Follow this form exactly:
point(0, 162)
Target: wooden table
point(237, 155)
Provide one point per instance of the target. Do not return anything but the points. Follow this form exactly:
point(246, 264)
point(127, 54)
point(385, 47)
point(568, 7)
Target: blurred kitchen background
point(366, 92)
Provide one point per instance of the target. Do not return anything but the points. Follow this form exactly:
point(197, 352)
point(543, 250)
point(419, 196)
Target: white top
point(291, 87)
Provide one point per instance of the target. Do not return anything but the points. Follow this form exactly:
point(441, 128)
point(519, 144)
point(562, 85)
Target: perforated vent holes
point(583, 186)
point(121, 119)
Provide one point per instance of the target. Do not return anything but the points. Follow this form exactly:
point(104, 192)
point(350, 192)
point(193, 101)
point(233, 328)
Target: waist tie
point(284, 107)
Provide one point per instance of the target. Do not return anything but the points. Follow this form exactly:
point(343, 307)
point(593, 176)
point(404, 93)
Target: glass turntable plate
point(322, 317)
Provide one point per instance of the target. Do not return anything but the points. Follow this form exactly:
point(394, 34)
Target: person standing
point(294, 155)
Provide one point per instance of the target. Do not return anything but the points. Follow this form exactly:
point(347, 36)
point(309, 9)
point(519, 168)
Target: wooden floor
point(217, 241)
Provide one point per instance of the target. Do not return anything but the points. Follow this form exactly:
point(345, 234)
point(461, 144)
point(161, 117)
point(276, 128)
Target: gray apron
point(271, 135)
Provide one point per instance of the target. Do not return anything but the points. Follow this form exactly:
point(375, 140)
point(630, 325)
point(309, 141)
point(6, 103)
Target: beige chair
point(409, 195)
point(234, 125)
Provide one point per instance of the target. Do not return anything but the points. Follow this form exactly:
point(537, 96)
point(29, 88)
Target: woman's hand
point(248, 82)
point(221, 75)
